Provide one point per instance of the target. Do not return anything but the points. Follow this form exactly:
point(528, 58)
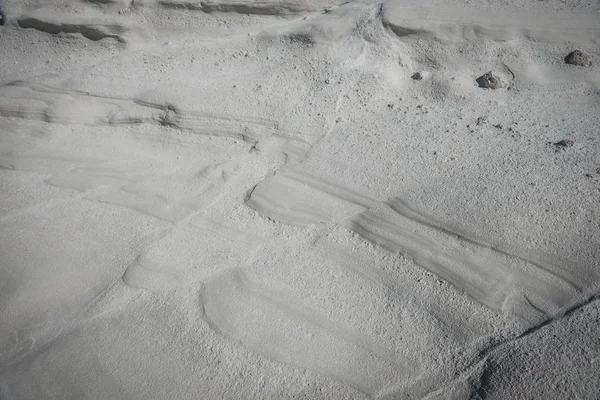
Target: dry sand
point(235, 199)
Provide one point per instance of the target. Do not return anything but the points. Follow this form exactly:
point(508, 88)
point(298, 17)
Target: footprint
point(283, 331)
point(190, 253)
point(299, 199)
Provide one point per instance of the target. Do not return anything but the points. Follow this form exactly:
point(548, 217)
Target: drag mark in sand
point(495, 279)
point(526, 288)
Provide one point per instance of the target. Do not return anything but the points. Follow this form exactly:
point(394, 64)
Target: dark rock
point(562, 144)
point(489, 80)
point(579, 58)
point(482, 121)
point(417, 76)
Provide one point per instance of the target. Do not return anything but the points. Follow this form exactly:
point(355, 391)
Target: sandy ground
point(236, 199)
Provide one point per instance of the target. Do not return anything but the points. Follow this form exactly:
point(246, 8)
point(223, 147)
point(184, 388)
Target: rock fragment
point(562, 145)
point(2, 13)
point(579, 58)
point(491, 80)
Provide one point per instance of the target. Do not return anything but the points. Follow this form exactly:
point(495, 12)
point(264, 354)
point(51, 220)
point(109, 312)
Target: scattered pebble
point(417, 76)
point(498, 126)
point(489, 80)
point(578, 58)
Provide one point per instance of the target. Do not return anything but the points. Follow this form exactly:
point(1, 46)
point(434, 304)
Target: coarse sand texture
point(299, 199)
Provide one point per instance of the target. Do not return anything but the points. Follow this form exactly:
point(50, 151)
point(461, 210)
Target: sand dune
point(299, 199)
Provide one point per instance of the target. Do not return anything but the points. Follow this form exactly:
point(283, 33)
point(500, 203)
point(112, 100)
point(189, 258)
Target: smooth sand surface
point(235, 199)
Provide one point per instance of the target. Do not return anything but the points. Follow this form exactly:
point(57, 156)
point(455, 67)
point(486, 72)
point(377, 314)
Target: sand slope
point(299, 199)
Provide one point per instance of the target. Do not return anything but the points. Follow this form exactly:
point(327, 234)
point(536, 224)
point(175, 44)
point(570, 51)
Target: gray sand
point(236, 199)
